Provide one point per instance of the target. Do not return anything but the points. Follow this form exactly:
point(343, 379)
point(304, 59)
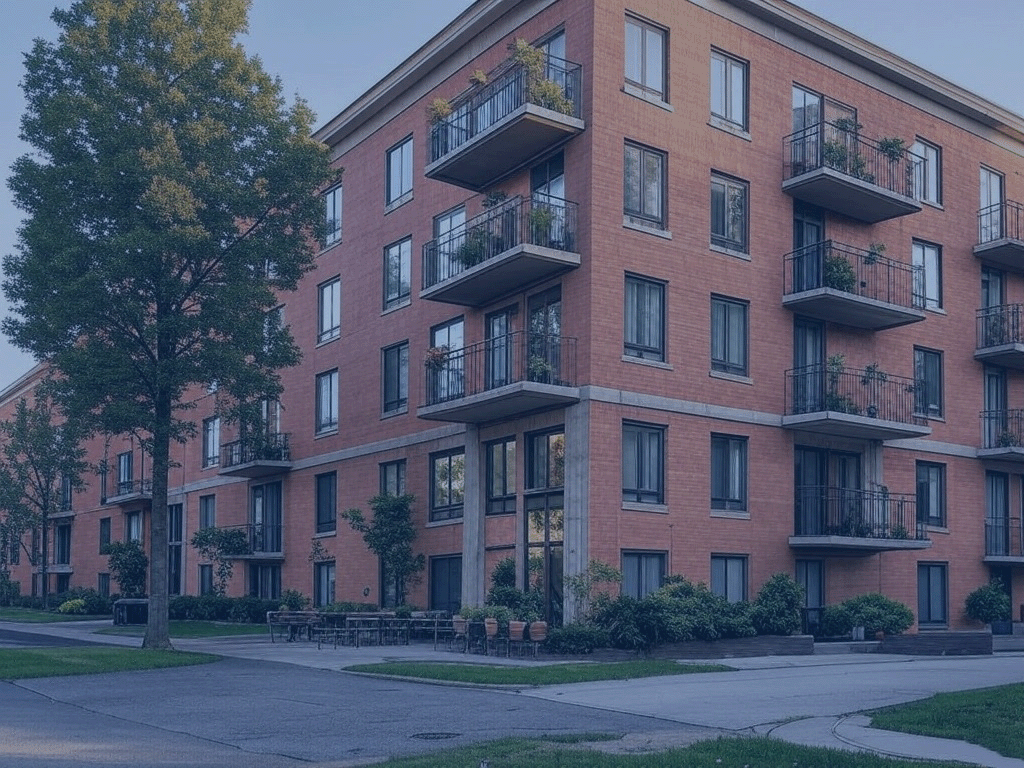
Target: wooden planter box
point(762, 645)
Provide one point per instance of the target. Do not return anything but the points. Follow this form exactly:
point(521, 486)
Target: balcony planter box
point(762, 645)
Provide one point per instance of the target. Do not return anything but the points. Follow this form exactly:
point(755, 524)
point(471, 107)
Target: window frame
point(542, 470)
point(328, 323)
point(325, 495)
point(931, 480)
point(324, 571)
point(106, 528)
point(641, 217)
point(724, 359)
point(721, 237)
point(395, 381)
point(211, 442)
point(928, 173)
point(642, 86)
point(928, 279)
point(205, 579)
point(398, 467)
point(449, 508)
point(208, 511)
point(641, 557)
point(403, 152)
point(928, 388)
point(636, 347)
point(333, 207)
point(727, 86)
point(501, 500)
point(326, 409)
point(401, 294)
point(638, 432)
point(731, 493)
point(726, 589)
point(926, 616)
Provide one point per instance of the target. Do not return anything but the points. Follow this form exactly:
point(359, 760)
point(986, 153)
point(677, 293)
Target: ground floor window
point(205, 579)
point(545, 528)
point(642, 573)
point(323, 585)
point(446, 583)
point(265, 581)
point(63, 582)
point(932, 595)
point(729, 577)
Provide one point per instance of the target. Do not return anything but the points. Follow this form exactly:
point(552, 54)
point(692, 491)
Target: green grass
point(721, 753)
point(32, 616)
point(190, 629)
point(989, 717)
point(20, 663)
point(549, 674)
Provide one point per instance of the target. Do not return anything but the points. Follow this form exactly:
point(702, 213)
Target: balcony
point(830, 165)
point(1004, 540)
point(851, 286)
point(499, 379)
point(1002, 435)
point(855, 522)
point(498, 127)
point(1000, 336)
point(264, 541)
point(256, 456)
point(515, 244)
point(126, 492)
point(828, 398)
point(1001, 236)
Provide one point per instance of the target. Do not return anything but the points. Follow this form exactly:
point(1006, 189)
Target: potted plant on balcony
point(539, 369)
point(1007, 439)
point(541, 91)
point(839, 273)
point(873, 378)
point(436, 358)
point(892, 147)
point(542, 216)
point(875, 252)
point(438, 110)
point(478, 78)
point(835, 367)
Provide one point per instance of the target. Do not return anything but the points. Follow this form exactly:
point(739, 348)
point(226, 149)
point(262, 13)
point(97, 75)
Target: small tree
point(583, 587)
point(128, 563)
point(389, 535)
point(777, 607)
point(221, 546)
point(988, 603)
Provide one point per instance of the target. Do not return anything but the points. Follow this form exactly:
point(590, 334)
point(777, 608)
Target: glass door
point(990, 216)
point(810, 574)
point(547, 223)
point(808, 385)
point(446, 379)
point(808, 251)
point(544, 325)
point(811, 466)
point(996, 426)
point(500, 349)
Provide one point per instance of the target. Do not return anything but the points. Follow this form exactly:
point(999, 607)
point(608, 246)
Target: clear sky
point(331, 51)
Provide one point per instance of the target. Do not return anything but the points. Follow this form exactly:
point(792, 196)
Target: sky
point(331, 51)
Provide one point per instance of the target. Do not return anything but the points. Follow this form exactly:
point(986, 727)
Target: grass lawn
point(20, 663)
point(187, 629)
point(548, 674)
point(989, 717)
point(32, 616)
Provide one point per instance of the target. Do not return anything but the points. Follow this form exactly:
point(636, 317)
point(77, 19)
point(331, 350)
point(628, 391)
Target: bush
point(76, 607)
point(95, 603)
point(295, 600)
point(988, 603)
point(10, 590)
point(836, 620)
point(777, 608)
point(576, 638)
point(874, 612)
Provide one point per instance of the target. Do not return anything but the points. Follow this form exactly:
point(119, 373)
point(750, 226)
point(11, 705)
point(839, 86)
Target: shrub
point(128, 563)
point(836, 620)
point(76, 607)
point(777, 607)
point(576, 638)
point(95, 603)
point(988, 603)
point(295, 600)
point(10, 590)
point(619, 618)
point(874, 612)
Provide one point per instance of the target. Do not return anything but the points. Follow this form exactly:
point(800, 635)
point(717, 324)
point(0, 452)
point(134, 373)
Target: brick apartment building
point(668, 294)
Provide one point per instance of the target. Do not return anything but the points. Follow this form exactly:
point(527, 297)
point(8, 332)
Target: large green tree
point(171, 194)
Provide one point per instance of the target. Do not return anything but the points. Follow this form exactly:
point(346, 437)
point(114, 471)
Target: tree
point(171, 194)
point(389, 535)
point(40, 461)
point(221, 546)
point(127, 562)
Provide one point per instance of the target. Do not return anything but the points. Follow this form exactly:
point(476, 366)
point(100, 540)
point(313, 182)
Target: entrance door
point(544, 324)
point(500, 349)
point(810, 574)
point(811, 480)
point(446, 583)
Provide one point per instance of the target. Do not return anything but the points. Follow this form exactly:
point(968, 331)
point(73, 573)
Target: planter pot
point(1002, 627)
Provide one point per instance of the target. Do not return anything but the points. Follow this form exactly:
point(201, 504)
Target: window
point(729, 89)
point(332, 214)
point(205, 579)
point(327, 502)
point(990, 215)
point(397, 278)
point(928, 382)
point(729, 577)
point(545, 460)
point(103, 584)
point(501, 476)
point(729, 213)
point(447, 484)
point(729, 335)
point(644, 186)
point(329, 302)
point(645, 58)
point(323, 587)
point(399, 182)
point(931, 493)
point(104, 533)
point(396, 378)
point(265, 581)
point(446, 583)
point(66, 494)
point(645, 318)
point(124, 472)
point(133, 526)
point(207, 511)
point(392, 477)
point(927, 171)
point(928, 275)
point(62, 545)
point(728, 472)
point(642, 573)
point(327, 402)
point(446, 374)
point(643, 469)
point(211, 441)
point(931, 594)
point(175, 537)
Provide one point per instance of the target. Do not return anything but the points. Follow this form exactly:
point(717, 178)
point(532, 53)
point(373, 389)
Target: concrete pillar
point(576, 547)
point(474, 583)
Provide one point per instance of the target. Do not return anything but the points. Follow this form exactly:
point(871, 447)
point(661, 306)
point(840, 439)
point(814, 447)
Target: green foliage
point(504, 573)
point(542, 91)
point(576, 638)
point(94, 603)
point(127, 563)
point(875, 612)
point(9, 590)
point(390, 535)
point(76, 606)
point(523, 605)
point(295, 600)
point(839, 273)
point(892, 147)
point(988, 603)
point(778, 606)
point(583, 587)
point(221, 546)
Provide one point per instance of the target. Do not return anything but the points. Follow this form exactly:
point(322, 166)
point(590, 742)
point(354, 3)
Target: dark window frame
point(501, 501)
point(639, 432)
point(723, 357)
point(630, 558)
point(647, 67)
point(325, 487)
point(640, 216)
point(928, 373)
point(449, 508)
point(640, 346)
point(394, 197)
point(333, 208)
point(721, 225)
point(931, 476)
point(395, 380)
point(729, 61)
point(401, 294)
point(724, 589)
point(722, 496)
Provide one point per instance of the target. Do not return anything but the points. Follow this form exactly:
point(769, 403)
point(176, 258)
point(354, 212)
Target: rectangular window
point(133, 526)
point(932, 598)
point(729, 213)
point(332, 214)
point(397, 273)
point(729, 577)
point(103, 584)
point(643, 466)
point(931, 493)
point(729, 89)
point(927, 257)
point(545, 460)
point(207, 511)
point(175, 538)
point(104, 533)
point(396, 378)
point(67, 493)
point(645, 58)
point(728, 472)
point(927, 171)
point(447, 482)
point(205, 579)
point(501, 476)
point(124, 472)
point(644, 186)
point(642, 573)
point(211, 441)
point(990, 214)
point(62, 545)
point(729, 335)
point(265, 581)
point(392, 477)
point(323, 588)
point(399, 182)
point(645, 318)
point(327, 402)
point(927, 382)
point(327, 502)
point(329, 305)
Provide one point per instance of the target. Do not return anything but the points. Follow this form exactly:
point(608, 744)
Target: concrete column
point(577, 497)
point(474, 583)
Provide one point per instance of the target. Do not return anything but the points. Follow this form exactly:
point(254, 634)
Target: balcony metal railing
point(1004, 537)
point(260, 447)
point(869, 392)
point(866, 273)
point(141, 486)
point(262, 538)
point(509, 86)
point(843, 149)
point(541, 220)
point(875, 514)
point(1000, 325)
point(1002, 220)
point(1002, 428)
point(509, 359)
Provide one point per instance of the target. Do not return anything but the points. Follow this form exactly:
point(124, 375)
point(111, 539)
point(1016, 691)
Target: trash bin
point(131, 610)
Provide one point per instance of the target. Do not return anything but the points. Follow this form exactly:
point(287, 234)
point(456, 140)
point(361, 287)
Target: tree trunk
point(43, 575)
point(157, 627)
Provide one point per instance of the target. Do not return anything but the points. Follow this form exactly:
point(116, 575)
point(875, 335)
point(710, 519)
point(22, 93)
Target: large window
point(327, 502)
point(211, 441)
point(447, 481)
point(932, 598)
point(644, 186)
point(643, 464)
point(645, 318)
point(207, 511)
point(62, 545)
point(327, 402)
point(392, 477)
point(729, 89)
point(501, 476)
point(397, 273)
point(124, 472)
point(265, 581)
point(927, 171)
point(396, 378)
point(133, 526)
point(645, 58)
point(205, 579)
point(931, 493)
point(729, 577)
point(928, 277)
point(642, 573)
point(175, 538)
point(928, 382)
point(545, 460)
point(729, 335)
point(323, 587)
point(728, 472)
point(104, 534)
point(329, 310)
point(399, 181)
point(729, 213)
point(332, 214)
